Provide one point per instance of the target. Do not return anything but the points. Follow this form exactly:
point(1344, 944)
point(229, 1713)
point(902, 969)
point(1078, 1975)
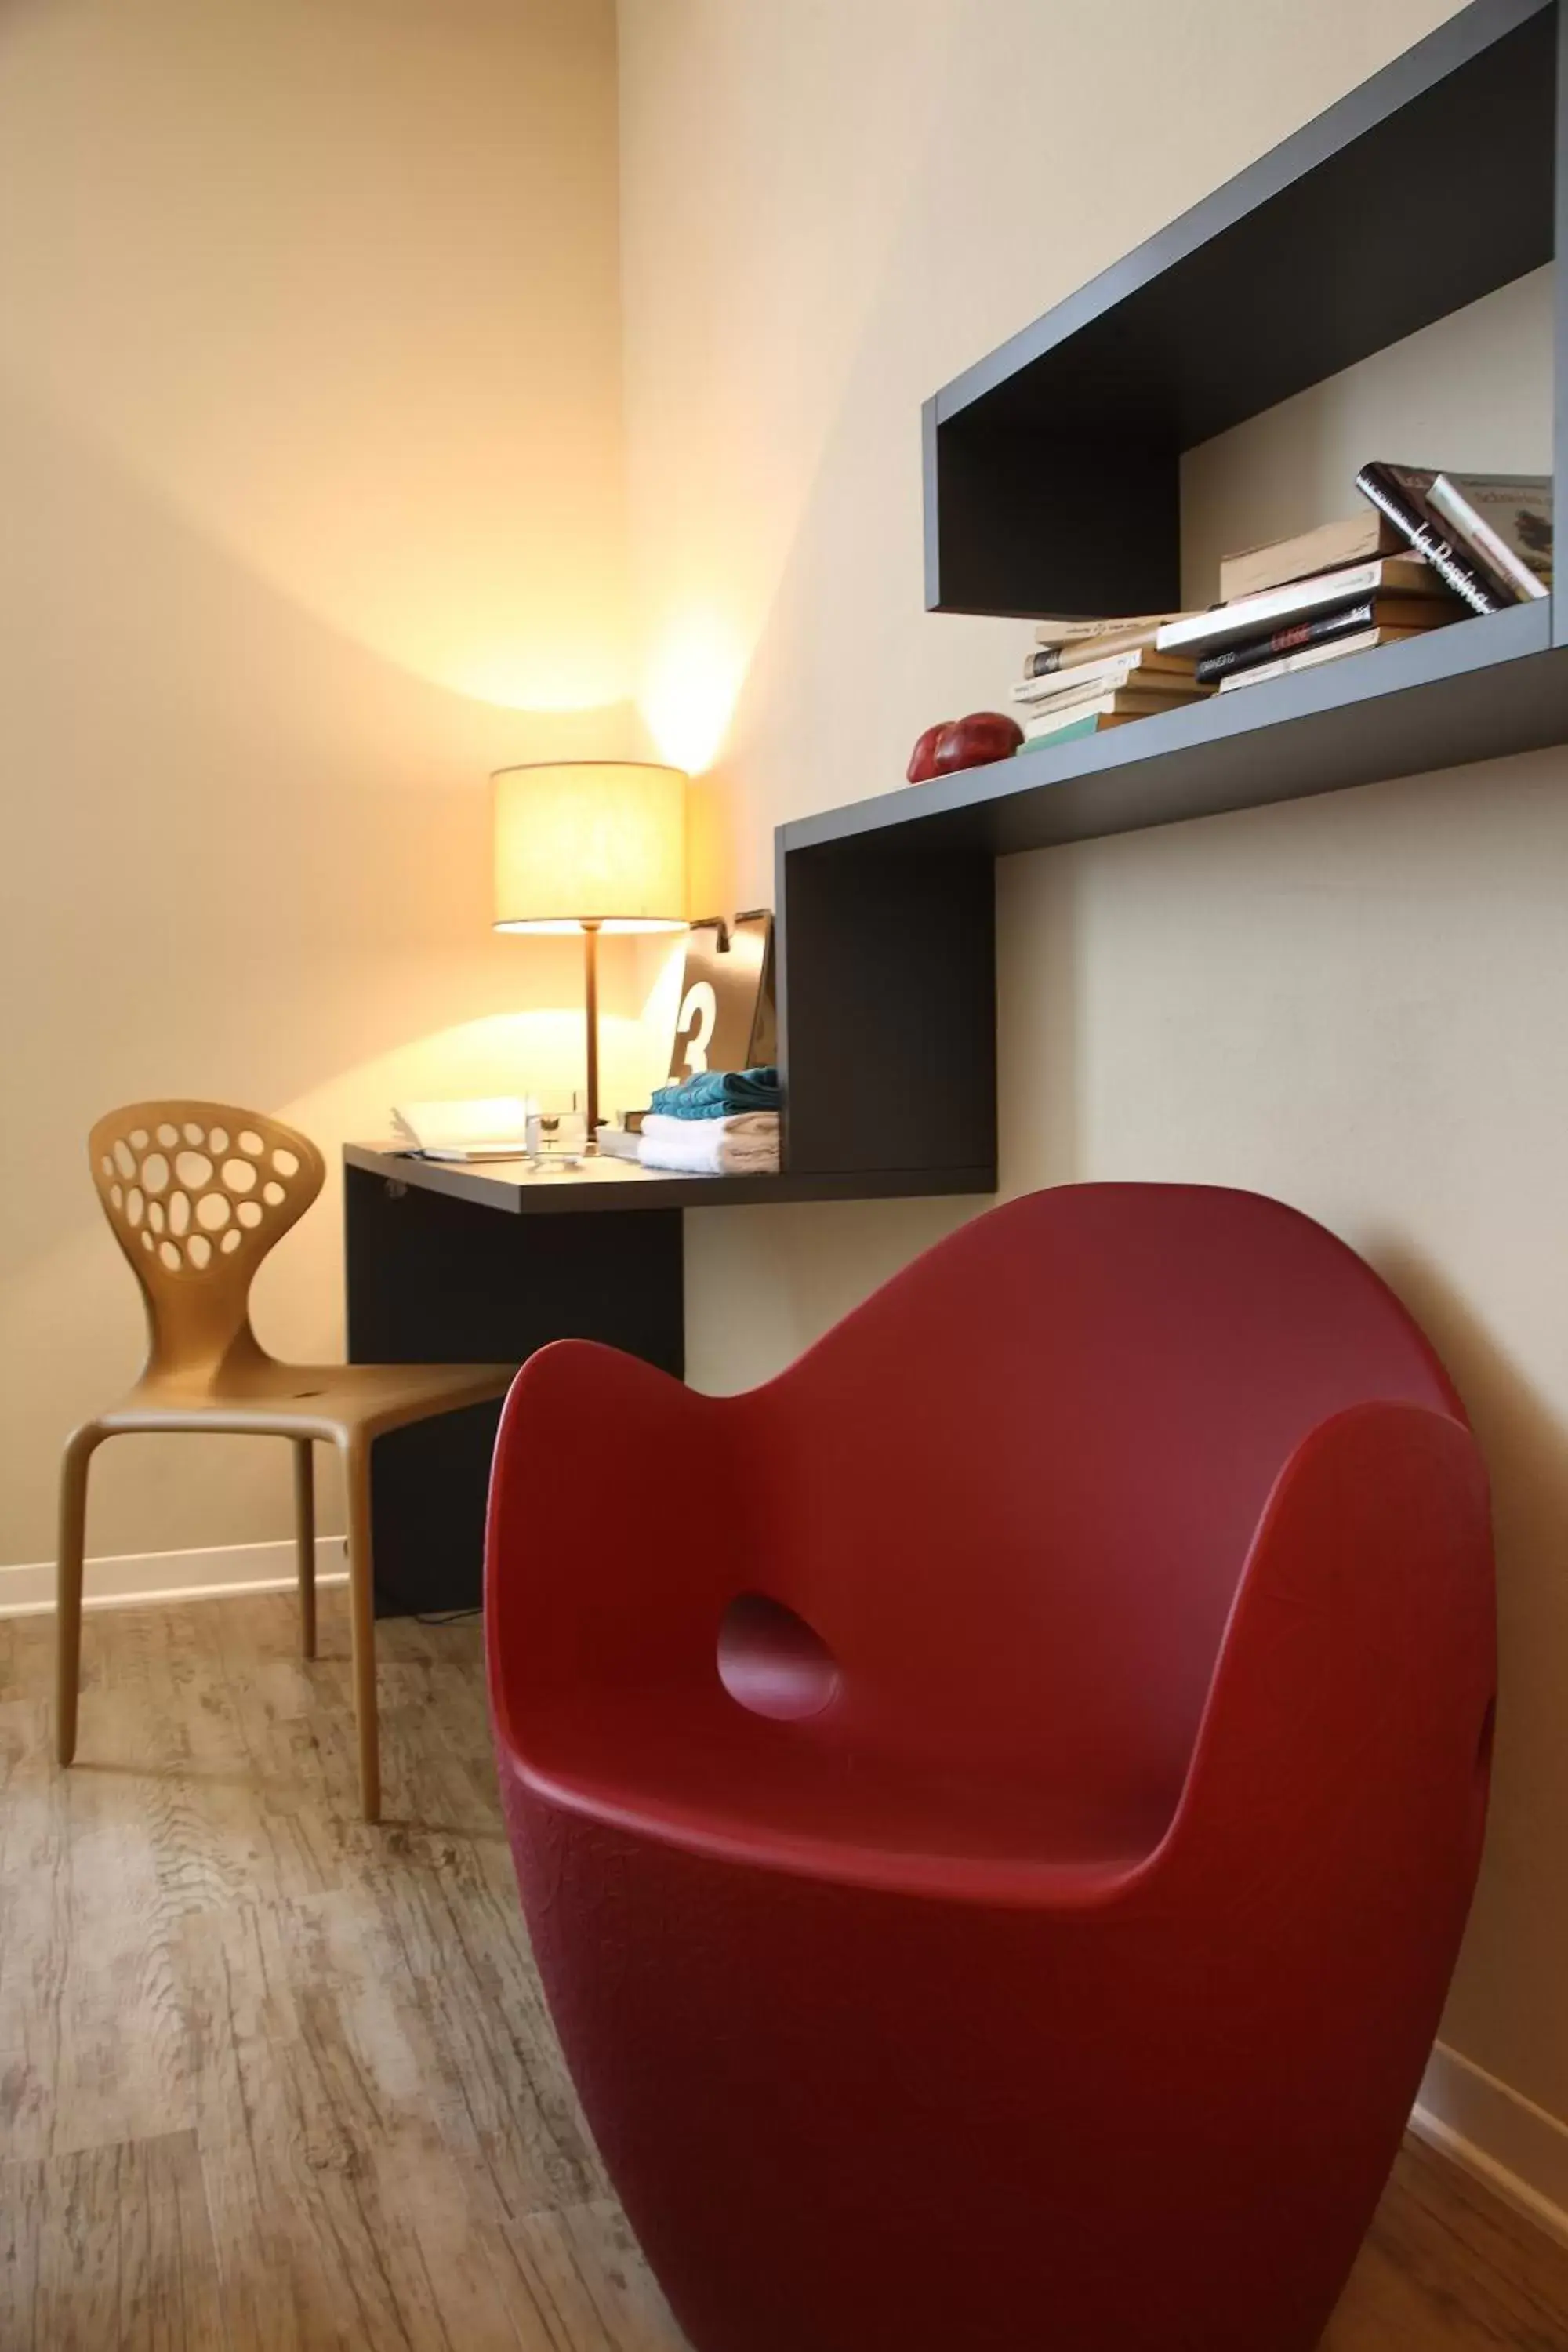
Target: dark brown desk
point(453, 1263)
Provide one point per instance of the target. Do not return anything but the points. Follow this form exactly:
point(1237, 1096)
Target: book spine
point(1096, 690)
point(1035, 692)
point(1497, 552)
point(1048, 659)
point(1479, 590)
point(1251, 651)
point(1045, 722)
point(1302, 559)
point(1066, 732)
point(1062, 633)
point(1477, 534)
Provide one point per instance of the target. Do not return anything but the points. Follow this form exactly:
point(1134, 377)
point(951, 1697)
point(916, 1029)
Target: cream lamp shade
point(597, 842)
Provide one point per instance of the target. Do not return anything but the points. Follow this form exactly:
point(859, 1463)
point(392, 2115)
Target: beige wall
point(310, 467)
point(1357, 1003)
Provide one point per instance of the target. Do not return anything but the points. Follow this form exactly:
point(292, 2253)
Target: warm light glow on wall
point(692, 683)
point(414, 441)
point(545, 674)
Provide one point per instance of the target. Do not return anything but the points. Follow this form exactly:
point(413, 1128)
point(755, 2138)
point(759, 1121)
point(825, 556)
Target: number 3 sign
point(726, 1017)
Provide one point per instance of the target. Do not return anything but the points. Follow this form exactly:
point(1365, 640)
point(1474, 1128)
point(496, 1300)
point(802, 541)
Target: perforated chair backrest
point(197, 1193)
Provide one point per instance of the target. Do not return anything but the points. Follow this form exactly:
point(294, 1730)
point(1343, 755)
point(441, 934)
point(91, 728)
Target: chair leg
point(79, 1450)
point(362, 1606)
point(305, 1541)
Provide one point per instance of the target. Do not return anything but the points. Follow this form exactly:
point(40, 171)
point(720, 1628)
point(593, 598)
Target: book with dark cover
point(1400, 493)
point(1366, 612)
point(1311, 657)
point(1278, 608)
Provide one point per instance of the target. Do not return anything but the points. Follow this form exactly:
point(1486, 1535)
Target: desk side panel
point(436, 1280)
point(888, 1011)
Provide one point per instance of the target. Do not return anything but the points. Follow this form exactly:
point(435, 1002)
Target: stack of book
point(1266, 627)
point(1088, 675)
point(1427, 548)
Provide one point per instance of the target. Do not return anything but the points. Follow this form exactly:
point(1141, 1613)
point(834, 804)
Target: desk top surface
point(520, 1189)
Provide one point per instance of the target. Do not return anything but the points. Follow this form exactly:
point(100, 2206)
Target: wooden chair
point(197, 1194)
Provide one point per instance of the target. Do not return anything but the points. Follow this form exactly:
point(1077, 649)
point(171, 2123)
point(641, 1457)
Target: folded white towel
point(755, 1125)
point(744, 1145)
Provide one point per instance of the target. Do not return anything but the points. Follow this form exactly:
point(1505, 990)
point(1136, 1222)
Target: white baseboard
point(28, 1591)
point(1519, 2151)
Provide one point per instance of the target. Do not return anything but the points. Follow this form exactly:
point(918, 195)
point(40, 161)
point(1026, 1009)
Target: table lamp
point(590, 845)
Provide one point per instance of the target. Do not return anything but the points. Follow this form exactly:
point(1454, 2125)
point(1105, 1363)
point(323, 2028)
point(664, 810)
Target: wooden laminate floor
point(274, 2082)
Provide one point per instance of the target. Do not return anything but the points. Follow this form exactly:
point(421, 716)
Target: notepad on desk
point(490, 1126)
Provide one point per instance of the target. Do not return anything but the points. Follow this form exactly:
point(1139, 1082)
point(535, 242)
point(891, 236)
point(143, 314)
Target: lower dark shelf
point(1477, 689)
point(617, 1186)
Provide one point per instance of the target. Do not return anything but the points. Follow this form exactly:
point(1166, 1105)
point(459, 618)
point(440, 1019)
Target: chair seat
point(715, 1779)
point(323, 1401)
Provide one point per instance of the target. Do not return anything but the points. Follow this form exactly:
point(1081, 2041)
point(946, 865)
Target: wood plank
point(583, 2268)
point(1447, 2267)
point(27, 1655)
point(90, 2035)
point(470, 2004)
point(339, 2218)
point(273, 2081)
point(107, 2248)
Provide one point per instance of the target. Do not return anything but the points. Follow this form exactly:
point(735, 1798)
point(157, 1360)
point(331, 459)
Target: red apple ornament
point(971, 742)
point(922, 759)
point(975, 741)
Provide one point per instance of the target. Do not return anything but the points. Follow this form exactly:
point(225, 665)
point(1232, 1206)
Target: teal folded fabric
point(721, 1093)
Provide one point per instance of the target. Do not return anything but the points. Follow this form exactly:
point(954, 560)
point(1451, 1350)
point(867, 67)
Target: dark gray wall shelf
point(1051, 485)
point(1475, 690)
point(1052, 465)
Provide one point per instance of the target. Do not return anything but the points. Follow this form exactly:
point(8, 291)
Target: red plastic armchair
point(996, 1808)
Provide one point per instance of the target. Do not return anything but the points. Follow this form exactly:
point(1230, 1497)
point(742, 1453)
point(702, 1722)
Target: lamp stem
point(591, 1003)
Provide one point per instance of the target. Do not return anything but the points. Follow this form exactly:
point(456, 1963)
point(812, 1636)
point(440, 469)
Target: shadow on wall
point(1526, 1448)
point(1042, 1011)
point(341, 286)
point(248, 857)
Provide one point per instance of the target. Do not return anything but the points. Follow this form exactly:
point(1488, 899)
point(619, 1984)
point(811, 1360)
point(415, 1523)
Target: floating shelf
point(1475, 690)
point(1052, 476)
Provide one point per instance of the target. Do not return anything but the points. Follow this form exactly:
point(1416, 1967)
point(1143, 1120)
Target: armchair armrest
point(1351, 1710)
